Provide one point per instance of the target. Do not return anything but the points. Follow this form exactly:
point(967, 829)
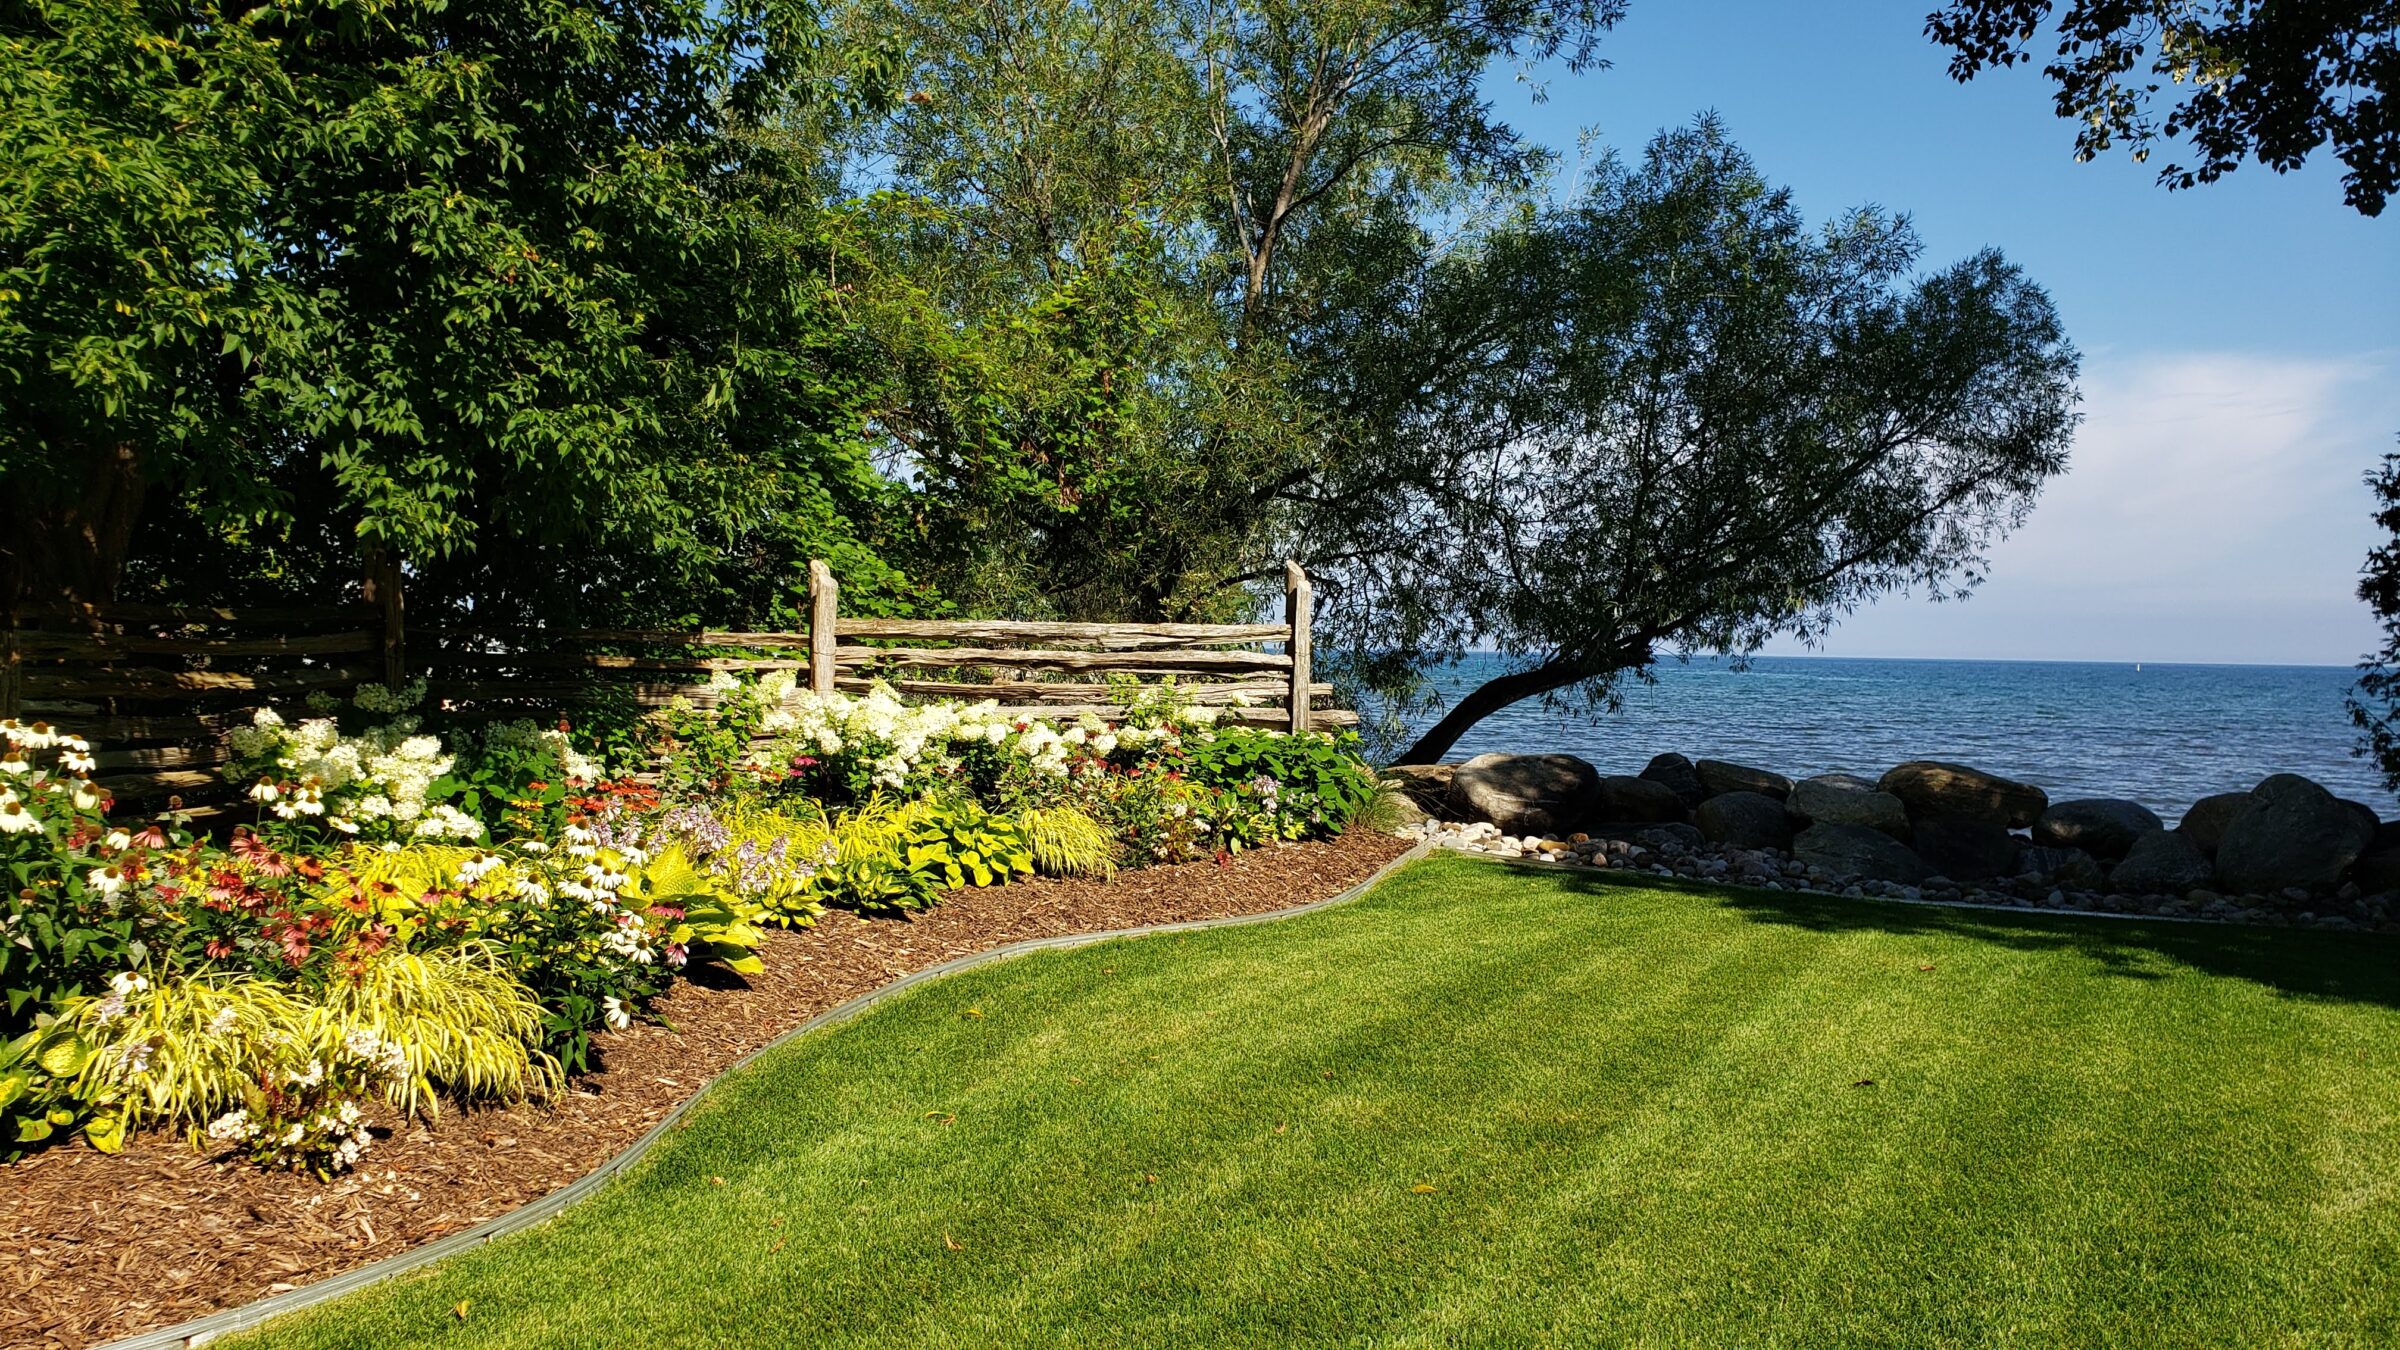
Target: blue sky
point(2241, 341)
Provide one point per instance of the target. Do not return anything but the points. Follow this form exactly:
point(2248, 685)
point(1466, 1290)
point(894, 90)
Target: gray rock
point(2294, 834)
point(1679, 776)
point(2062, 866)
point(1525, 794)
point(1964, 849)
point(2366, 813)
point(1426, 784)
point(1845, 799)
point(2205, 823)
point(1932, 787)
point(1673, 837)
point(2377, 869)
point(1744, 820)
point(1719, 776)
point(2104, 827)
point(1856, 851)
point(1625, 797)
point(2161, 862)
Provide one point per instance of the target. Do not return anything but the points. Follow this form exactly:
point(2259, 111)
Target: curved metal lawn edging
point(202, 1330)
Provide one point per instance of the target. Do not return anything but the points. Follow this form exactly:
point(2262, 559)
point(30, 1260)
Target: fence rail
point(158, 686)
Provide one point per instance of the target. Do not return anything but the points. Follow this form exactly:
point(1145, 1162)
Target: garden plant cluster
point(424, 910)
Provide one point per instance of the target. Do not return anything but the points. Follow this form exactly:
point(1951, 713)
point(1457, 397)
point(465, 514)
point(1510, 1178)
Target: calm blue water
point(2164, 735)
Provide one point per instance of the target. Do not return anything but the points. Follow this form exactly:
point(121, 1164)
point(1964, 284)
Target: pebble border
point(201, 1331)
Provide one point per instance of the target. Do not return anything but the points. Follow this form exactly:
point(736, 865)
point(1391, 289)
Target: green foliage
point(701, 914)
point(507, 288)
point(1313, 784)
point(1067, 842)
point(707, 746)
point(962, 844)
point(43, 1098)
point(2272, 82)
point(74, 915)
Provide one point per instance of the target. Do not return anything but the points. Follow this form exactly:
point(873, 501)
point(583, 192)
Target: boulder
point(2292, 834)
point(1719, 776)
point(2071, 868)
point(1744, 820)
point(1679, 776)
point(2104, 827)
point(1625, 797)
point(1672, 837)
point(2366, 813)
point(2161, 862)
point(1856, 851)
point(1931, 787)
point(1845, 799)
point(1426, 784)
point(1525, 794)
point(1963, 849)
point(1407, 812)
point(2377, 870)
point(2205, 823)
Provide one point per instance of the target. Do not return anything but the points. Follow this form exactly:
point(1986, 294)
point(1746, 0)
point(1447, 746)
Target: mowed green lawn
point(1515, 1107)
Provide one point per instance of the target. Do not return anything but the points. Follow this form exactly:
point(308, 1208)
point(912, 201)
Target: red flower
point(218, 948)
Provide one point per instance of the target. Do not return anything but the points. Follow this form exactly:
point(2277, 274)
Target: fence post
point(1296, 603)
point(823, 604)
point(382, 588)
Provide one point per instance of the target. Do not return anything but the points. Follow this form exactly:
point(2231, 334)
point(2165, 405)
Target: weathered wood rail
point(157, 687)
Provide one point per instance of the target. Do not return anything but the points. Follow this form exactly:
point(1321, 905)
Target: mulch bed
point(94, 1247)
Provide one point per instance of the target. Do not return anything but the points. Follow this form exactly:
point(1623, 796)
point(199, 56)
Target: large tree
point(1671, 416)
point(1117, 234)
point(2271, 80)
point(502, 279)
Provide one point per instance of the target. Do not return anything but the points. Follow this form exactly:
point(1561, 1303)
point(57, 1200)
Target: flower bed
point(420, 917)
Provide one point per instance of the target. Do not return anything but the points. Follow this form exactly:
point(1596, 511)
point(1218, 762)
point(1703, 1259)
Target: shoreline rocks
point(2287, 851)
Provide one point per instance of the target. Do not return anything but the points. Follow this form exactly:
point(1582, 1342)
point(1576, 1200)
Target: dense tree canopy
point(500, 276)
point(2242, 79)
point(1128, 228)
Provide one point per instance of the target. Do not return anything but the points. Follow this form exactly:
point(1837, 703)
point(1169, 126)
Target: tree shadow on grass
point(2297, 962)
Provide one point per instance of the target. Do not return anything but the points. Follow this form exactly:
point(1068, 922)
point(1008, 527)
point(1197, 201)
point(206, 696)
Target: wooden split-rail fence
point(157, 687)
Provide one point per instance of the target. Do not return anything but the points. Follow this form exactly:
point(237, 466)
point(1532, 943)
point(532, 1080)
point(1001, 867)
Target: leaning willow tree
point(1671, 417)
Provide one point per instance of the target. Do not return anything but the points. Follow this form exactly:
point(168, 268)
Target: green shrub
point(1312, 784)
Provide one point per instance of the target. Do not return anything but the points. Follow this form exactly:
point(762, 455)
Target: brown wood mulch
point(95, 1247)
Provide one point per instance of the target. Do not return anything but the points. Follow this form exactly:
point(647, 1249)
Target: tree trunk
point(65, 545)
point(1488, 698)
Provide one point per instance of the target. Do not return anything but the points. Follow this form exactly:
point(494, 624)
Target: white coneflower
point(76, 761)
point(265, 791)
point(86, 796)
point(127, 983)
point(613, 1011)
point(118, 839)
point(39, 736)
point(106, 880)
point(14, 763)
point(14, 818)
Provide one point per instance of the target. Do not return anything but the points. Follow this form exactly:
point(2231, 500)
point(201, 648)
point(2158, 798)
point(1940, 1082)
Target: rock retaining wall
point(2286, 851)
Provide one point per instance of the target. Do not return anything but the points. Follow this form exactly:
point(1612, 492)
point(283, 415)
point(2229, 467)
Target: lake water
point(2164, 735)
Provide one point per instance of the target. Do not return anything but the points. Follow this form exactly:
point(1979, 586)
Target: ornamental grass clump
point(460, 1025)
point(1067, 842)
point(182, 1050)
